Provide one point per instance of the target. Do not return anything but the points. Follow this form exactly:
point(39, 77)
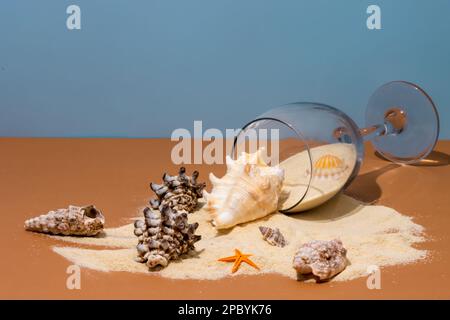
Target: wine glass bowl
point(318, 162)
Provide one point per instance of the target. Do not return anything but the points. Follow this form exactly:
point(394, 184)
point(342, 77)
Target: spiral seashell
point(273, 236)
point(249, 190)
point(78, 221)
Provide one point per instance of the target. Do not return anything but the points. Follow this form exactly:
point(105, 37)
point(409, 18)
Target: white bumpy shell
point(249, 190)
point(322, 259)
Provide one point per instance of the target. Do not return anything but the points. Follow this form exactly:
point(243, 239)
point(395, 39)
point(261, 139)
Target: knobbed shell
point(329, 166)
point(180, 192)
point(77, 221)
point(164, 236)
point(273, 236)
point(249, 190)
point(323, 259)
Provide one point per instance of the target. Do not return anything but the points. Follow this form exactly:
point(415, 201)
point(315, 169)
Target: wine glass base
point(410, 119)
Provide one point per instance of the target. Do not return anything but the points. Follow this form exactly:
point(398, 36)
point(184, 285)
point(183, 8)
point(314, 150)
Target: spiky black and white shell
point(180, 192)
point(164, 236)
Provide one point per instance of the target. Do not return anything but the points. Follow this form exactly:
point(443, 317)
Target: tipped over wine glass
point(321, 148)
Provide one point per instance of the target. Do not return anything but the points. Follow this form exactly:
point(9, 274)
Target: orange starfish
point(238, 258)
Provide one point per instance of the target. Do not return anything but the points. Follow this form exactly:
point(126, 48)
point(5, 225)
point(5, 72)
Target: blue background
point(144, 68)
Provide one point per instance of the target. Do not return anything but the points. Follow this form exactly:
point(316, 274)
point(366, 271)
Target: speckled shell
point(323, 259)
point(328, 167)
point(77, 221)
point(249, 190)
point(273, 236)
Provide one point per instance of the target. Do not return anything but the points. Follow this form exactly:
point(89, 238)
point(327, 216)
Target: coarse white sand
point(373, 235)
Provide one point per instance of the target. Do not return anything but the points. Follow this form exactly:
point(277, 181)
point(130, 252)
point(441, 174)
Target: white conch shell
point(249, 190)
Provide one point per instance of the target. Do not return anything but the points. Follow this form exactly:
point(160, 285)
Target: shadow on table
point(434, 159)
point(365, 187)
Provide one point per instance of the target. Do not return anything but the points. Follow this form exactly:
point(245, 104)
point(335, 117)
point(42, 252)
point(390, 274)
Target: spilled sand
point(372, 235)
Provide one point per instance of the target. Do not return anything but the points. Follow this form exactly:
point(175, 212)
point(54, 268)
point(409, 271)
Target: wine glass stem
point(371, 132)
point(395, 121)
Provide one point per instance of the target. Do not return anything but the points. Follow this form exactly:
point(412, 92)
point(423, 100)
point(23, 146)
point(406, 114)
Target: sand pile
point(373, 235)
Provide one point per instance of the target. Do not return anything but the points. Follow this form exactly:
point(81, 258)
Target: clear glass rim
point(299, 136)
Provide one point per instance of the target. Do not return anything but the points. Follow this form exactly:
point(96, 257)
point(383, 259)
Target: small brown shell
point(273, 236)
